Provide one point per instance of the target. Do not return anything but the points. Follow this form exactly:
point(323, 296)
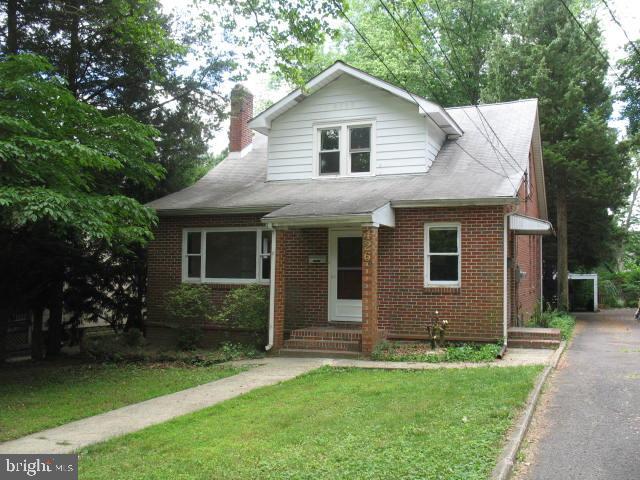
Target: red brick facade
point(395, 301)
point(527, 250)
point(165, 257)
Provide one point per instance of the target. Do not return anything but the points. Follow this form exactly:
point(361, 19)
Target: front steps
point(522, 337)
point(315, 341)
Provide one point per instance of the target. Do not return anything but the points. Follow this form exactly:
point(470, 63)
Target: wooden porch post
point(369, 287)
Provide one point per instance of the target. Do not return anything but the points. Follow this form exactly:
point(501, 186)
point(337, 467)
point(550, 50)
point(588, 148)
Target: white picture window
point(345, 149)
point(442, 266)
point(221, 255)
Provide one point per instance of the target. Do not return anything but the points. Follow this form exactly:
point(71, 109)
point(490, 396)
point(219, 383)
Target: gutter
point(455, 203)
point(272, 292)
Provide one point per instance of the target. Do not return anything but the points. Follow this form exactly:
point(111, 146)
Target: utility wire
point(514, 162)
point(377, 55)
point(408, 37)
point(613, 17)
point(591, 40)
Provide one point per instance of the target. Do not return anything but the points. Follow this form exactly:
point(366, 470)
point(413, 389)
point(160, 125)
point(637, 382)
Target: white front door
point(345, 275)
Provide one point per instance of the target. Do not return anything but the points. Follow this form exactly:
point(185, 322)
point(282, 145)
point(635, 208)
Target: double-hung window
point(226, 255)
point(345, 149)
point(442, 255)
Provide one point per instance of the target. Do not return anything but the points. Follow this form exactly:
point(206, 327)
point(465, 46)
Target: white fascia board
point(384, 216)
point(523, 225)
point(262, 122)
point(381, 216)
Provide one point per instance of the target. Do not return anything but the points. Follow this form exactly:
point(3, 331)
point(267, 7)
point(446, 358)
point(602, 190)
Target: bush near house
point(619, 289)
point(553, 319)
point(190, 306)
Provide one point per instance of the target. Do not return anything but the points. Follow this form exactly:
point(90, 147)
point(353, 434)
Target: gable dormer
point(345, 122)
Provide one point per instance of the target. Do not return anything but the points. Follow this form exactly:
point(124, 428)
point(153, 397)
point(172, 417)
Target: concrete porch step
point(534, 333)
point(323, 333)
point(321, 344)
point(532, 343)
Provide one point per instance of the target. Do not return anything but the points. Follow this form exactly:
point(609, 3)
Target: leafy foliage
point(56, 153)
point(553, 319)
point(246, 307)
point(189, 306)
point(418, 352)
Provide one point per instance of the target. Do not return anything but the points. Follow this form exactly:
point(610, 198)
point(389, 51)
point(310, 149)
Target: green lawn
point(333, 423)
point(36, 397)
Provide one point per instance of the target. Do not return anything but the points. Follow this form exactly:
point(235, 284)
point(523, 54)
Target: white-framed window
point(226, 255)
point(344, 149)
point(442, 259)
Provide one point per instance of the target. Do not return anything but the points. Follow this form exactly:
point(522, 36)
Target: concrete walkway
point(266, 371)
point(588, 423)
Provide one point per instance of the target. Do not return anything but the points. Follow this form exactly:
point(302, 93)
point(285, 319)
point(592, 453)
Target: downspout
point(272, 291)
point(505, 279)
point(541, 279)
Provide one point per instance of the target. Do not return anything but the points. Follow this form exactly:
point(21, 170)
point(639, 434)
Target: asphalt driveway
point(590, 425)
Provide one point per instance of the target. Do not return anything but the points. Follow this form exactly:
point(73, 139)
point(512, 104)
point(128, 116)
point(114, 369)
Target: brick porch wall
point(165, 257)
point(474, 310)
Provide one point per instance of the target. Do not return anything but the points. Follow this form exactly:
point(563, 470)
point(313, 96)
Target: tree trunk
point(37, 340)
point(563, 262)
point(4, 330)
point(73, 58)
point(12, 27)
point(54, 332)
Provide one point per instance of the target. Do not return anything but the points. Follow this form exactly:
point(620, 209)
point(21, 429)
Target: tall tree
point(64, 167)
point(546, 55)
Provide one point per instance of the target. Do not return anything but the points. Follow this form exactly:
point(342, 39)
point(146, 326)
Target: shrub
point(133, 337)
point(246, 307)
point(554, 319)
point(189, 306)
point(420, 352)
point(437, 329)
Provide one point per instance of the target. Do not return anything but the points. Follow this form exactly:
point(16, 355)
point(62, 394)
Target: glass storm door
point(345, 275)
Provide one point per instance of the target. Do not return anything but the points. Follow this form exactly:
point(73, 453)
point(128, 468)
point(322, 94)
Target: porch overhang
point(524, 225)
point(300, 217)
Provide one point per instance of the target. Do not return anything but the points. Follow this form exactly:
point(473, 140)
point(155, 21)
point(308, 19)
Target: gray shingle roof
point(482, 174)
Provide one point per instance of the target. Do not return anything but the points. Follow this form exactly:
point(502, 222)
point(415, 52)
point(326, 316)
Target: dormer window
point(360, 149)
point(330, 151)
point(344, 149)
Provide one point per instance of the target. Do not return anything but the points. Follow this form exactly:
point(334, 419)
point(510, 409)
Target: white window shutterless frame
point(255, 245)
point(442, 255)
point(346, 150)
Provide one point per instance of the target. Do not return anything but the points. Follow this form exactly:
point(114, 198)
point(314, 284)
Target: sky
point(627, 13)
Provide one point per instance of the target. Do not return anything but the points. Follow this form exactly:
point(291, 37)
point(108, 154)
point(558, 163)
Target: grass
point(421, 352)
point(332, 424)
point(36, 397)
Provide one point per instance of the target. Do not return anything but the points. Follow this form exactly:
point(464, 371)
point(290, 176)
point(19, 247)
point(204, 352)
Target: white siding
point(406, 142)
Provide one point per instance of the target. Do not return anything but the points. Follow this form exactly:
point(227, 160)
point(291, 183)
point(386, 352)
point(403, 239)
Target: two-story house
point(365, 209)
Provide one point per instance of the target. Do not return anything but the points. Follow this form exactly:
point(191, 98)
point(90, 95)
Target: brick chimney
point(240, 135)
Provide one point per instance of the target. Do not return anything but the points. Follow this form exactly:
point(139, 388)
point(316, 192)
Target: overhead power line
point(463, 83)
point(613, 17)
point(591, 40)
point(403, 84)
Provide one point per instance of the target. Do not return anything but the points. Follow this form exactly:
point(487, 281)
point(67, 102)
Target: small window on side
point(442, 255)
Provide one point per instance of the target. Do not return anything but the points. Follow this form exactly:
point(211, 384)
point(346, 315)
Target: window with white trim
point(442, 255)
point(344, 149)
point(226, 255)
